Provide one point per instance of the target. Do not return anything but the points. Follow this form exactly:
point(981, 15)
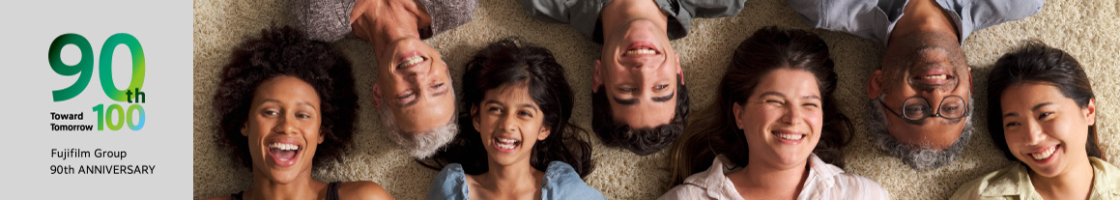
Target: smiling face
point(1045, 129)
point(926, 66)
point(510, 124)
point(283, 128)
point(782, 118)
point(639, 72)
point(416, 86)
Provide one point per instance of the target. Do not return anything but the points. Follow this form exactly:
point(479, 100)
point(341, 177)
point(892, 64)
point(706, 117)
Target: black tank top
point(332, 192)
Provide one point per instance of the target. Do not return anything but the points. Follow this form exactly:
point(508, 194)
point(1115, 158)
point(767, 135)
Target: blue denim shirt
point(560, 182)
point(583, 15)
point(876, 19)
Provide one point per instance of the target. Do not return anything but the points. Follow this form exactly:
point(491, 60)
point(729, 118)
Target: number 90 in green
point(84, 68)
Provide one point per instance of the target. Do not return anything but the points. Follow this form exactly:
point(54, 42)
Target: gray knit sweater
point(329, 20)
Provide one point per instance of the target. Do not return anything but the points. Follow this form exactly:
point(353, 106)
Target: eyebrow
point(1035, 107)
point(664, 98)
point(410, 103)
point(625, 102)
point(300, 103)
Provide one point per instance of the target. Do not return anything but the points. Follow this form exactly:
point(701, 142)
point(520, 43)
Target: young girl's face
point(1045, 129)
point(510, 123)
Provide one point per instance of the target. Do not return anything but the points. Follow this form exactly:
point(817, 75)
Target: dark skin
point(285, 111)
point(923, 60)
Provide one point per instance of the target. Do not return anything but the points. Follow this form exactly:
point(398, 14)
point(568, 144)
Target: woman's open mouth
point(284, 154)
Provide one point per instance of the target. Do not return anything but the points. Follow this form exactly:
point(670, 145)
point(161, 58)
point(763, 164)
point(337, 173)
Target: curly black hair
point(1035, 62)
point(287, 52)
point(511, 61)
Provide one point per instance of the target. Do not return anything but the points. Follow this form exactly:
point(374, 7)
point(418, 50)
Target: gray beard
point(419, 145)
point(920, 157)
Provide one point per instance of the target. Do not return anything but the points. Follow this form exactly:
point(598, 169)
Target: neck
point(383, 22)
point(617, 13)
point(302, 188)
point(513, 180)
point(923, 16)
point(1075, 182)
point(758, 179)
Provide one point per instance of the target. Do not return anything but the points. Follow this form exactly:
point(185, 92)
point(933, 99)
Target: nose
point(285, 124)
point(506, 124)
point(417, 73)
point(1035, 134)
point(792, 116)
point(935, 97)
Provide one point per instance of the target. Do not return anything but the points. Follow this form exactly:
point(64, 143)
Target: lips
point(639, 49)
point(933, 77)
point(411, 59)
point(789, 137)
point(284, 153)
point(1044, 154)
point(506, 145)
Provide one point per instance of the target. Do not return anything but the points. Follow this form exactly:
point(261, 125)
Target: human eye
point(661, 87)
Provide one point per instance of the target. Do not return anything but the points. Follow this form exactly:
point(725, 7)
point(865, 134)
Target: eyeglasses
point(916, 108)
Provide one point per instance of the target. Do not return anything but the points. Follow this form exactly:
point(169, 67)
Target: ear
point(545, 131)
point(376, 95)
point(474, 117)
point(970, 85)
point(1091, 112)
point(736, 109)
point(680, 73)
point(595, 81)
point(245, 129)
point(874, 84)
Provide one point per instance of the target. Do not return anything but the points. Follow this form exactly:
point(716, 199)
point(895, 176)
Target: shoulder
point(1000, 181)
point(703, 183)
point(683, 191)
point(362, 190)
point(562, 182)
point(451, 183)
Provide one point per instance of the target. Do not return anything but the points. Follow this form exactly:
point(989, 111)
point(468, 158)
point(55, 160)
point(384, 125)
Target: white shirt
point(825, 181)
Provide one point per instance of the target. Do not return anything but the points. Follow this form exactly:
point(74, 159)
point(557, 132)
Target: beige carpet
point(1088, 29)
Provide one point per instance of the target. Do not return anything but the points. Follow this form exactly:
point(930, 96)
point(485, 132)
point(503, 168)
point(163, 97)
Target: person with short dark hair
point(1042, 113)
point(287, 106)
point(638, 96)
point(774, 131)
point(920, 99)
point(517, 140)
point(413, 93)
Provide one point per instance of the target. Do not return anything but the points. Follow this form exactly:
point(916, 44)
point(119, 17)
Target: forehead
point(786, 79)
point(1026, 95)
point(510, 93)
point(286, 87)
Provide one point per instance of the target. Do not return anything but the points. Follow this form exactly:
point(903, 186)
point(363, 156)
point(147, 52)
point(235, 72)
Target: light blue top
point(560, 182)
point(875, 19)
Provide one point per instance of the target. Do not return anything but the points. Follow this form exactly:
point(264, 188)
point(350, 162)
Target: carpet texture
point(1087, 29)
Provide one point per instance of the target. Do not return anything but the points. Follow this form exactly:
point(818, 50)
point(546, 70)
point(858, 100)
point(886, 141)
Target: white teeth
point(1045, 154)
point(940, 77)
point(791, 136)
point(412, 61)
point(641, 52)
point(284, 147)
point(507, 144)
